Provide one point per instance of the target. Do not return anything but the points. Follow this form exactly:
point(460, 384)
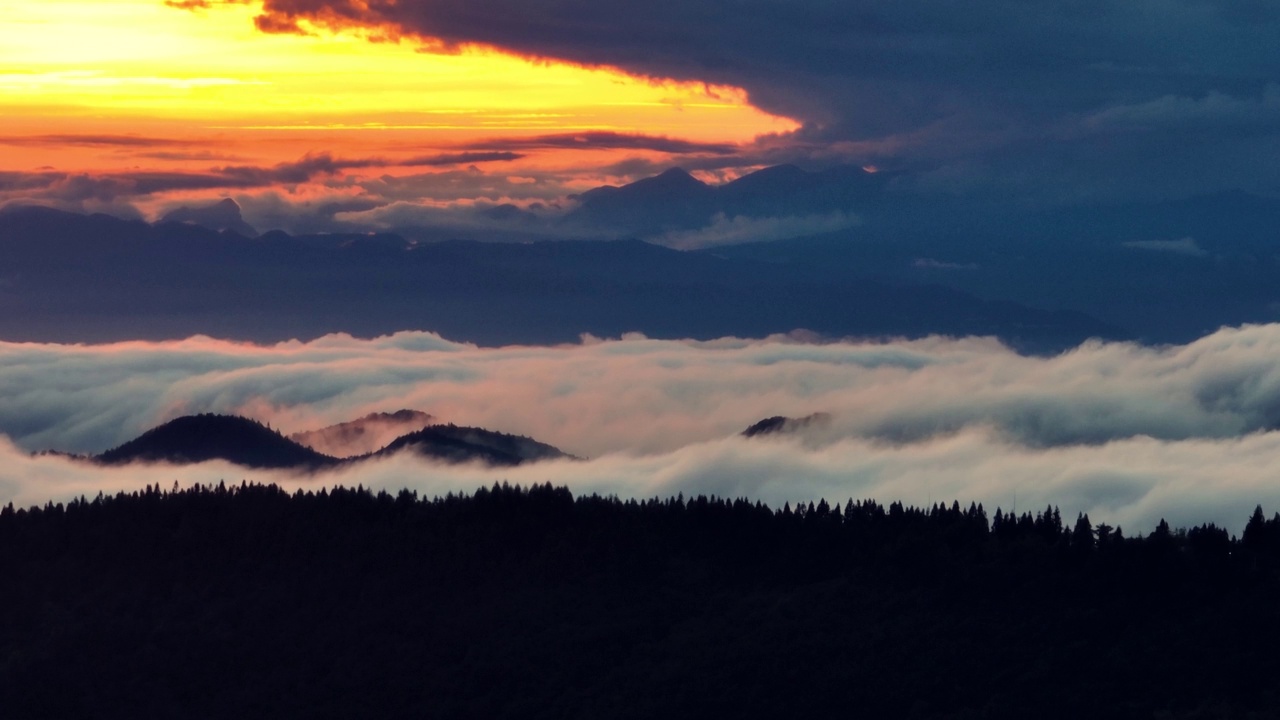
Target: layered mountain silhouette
point(94, 278)
point(1040, 279)
point(781, 425)
point(365, 435)
point(250, 444)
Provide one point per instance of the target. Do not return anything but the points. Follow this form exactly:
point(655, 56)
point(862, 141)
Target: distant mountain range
point(250, 444)
point(860, 257)
point(93, 278)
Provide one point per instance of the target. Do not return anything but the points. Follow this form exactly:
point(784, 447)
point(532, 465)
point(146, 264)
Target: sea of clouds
point(1123, 432)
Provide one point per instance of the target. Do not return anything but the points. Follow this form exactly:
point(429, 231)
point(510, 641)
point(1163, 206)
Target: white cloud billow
point(1124, 432)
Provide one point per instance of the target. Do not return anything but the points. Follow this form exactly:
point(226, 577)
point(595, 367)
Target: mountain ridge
point(76, 278)
point(248, 443)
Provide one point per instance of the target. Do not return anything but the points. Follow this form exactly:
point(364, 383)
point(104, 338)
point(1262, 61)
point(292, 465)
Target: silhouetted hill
point(675, 200)
point(363, 436)
point(197, 438)
point(782, 425)
point(669, 201)
point(465, 444)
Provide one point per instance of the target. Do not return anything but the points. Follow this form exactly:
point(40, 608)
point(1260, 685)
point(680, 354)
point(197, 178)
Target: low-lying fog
point(1126, 433)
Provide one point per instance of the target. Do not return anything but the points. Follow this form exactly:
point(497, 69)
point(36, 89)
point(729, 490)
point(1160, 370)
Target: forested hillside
point(248, 601)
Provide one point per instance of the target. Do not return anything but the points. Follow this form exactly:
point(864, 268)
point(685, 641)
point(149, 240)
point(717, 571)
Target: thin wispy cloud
point(600, 140)
point(128, 141)
point(73, 190)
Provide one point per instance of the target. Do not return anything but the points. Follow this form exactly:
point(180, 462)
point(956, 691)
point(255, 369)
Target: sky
point(367, 115)
point(111, 93)
point(136, 107)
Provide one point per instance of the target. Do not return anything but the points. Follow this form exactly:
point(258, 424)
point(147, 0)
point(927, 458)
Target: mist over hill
point(781, 425)
point(462, 444)
point(364, 435)
point(250, 444)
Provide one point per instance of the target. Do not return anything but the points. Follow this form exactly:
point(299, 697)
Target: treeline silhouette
point(248, 601)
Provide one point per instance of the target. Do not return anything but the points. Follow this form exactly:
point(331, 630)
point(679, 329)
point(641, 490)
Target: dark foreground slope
point(238, 602)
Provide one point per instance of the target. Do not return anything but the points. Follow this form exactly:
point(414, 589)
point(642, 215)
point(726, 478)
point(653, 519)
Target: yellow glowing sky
point(138, 67)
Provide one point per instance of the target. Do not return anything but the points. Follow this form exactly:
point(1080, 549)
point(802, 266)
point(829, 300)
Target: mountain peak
point(197, 438)
point(675, 172)
point(780, 425)
point(220, 216)
point(452, 443)
point(673, 182)
point(677, 176)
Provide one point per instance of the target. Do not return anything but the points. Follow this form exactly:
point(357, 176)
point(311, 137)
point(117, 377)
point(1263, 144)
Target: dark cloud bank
point(1047, 100)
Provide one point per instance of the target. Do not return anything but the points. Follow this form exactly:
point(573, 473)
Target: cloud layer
point(1128, 433)
point(994, 91)
point(641, 395)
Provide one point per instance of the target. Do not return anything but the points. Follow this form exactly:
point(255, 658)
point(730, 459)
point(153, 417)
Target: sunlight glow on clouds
point(179, 89)
point(211, 68)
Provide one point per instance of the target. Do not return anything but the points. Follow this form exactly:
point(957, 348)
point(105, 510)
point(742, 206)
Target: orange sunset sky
point(121, 87)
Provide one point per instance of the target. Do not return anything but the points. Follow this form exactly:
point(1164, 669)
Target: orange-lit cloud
point(119, 104)
point(73, 64)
